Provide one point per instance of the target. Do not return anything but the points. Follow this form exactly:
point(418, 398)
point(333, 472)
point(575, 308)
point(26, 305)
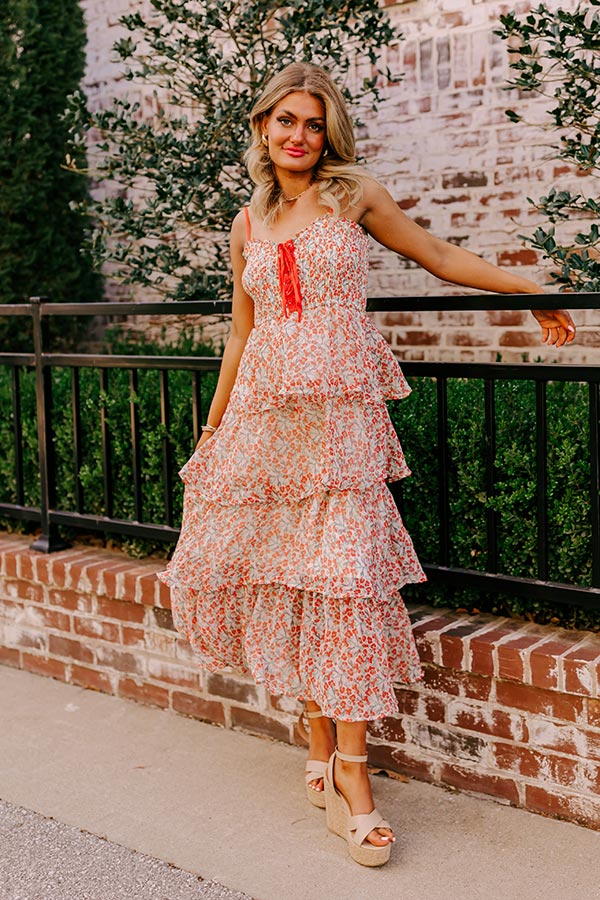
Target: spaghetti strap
point(248, 228)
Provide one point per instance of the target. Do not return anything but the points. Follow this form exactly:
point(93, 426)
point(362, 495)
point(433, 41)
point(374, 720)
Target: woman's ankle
point(351, 770)
point(322, 735)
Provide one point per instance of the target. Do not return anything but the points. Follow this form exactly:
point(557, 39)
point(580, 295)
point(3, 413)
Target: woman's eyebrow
point(291, 115)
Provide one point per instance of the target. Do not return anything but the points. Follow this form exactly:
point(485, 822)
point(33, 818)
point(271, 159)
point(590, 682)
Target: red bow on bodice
point(288, 279)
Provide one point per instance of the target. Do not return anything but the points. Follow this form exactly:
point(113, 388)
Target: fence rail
point(43, 363)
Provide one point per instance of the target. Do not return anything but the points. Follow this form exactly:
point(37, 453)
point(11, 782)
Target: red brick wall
point(508, 710)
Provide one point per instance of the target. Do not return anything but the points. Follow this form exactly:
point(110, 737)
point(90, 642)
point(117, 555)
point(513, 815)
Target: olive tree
point(175, 179)
point(556, 55)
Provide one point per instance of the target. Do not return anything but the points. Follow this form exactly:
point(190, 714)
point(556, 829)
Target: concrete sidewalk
point(231, 809)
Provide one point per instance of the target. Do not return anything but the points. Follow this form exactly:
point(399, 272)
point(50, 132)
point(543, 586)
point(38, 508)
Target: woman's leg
point(322, 740)
point(352, 779)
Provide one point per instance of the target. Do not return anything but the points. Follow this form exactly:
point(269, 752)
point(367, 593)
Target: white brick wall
point(444, 148)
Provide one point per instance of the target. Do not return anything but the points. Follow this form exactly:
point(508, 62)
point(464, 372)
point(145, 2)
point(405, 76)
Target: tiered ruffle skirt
point(292, 552)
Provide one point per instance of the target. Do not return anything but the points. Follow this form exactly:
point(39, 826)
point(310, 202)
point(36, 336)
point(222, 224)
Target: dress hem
point(392, 709)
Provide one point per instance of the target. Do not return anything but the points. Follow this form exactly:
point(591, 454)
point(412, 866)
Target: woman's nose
point(297, 135)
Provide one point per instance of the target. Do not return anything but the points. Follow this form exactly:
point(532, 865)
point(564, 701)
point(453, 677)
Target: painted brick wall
point(507, 710)
point(444, 148)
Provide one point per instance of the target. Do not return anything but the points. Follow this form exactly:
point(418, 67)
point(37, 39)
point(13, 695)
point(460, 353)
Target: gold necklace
point(297, 197)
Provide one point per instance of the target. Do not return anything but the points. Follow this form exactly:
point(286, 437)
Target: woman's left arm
point(386, 222)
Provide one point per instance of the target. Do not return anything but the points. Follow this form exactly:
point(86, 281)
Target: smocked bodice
point(312, 337)
point(331, 256)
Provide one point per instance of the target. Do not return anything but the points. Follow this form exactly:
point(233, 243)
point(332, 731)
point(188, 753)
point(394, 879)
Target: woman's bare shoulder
point(239, 221)
point(373, 192)
point(238, 229)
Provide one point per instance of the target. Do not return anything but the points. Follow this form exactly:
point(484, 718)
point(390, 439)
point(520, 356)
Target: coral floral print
point(292, 552)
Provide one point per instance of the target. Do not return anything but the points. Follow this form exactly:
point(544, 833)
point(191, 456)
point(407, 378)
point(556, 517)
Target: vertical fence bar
point(594, 390)
point(541, 455)
point(165, 420)
point(106, 445)
point(48, 540)
point(490, 473)
point(444, 470)
point(136, 456)
point(395, 488)
point(17, 435)
point(196, 404)
point(77, 446)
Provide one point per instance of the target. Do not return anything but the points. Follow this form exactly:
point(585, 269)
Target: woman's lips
point(295, 151)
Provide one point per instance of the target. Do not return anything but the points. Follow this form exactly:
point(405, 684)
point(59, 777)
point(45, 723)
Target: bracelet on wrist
point(210, 428)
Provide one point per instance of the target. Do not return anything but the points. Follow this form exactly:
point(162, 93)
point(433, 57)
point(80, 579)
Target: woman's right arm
point(242, 322)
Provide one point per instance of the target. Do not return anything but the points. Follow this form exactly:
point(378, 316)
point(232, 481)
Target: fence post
point(48, 541)
point(595, 479)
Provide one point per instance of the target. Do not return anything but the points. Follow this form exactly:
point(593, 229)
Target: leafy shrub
point(42, 48)
point(514, 498)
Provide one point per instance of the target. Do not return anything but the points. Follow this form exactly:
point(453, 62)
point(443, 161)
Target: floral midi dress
point(292, 552)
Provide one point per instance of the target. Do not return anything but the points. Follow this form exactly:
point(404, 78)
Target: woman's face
point(295, 130)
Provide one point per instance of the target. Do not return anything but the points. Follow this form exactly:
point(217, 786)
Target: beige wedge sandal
point(354, 829)
point(315, 768)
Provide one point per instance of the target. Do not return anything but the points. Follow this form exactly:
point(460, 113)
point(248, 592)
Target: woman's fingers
point(557, 326)
point(567, 330)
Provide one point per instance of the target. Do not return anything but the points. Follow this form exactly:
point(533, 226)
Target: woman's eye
point(314, 126)
point(283, 120)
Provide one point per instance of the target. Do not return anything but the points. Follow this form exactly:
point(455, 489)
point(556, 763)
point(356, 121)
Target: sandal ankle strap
point(313, 715)
point(347, 758)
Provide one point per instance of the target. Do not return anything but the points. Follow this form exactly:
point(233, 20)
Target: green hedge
point(117, 410)
point(569, 511)
point(415, 421)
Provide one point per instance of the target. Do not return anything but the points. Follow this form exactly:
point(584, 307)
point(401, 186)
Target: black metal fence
point(43, 362)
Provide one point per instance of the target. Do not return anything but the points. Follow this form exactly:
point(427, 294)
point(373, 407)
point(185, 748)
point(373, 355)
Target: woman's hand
point(556, 324)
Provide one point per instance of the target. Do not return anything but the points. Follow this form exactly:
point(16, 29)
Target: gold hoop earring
point(325, 152)
point(264, 139)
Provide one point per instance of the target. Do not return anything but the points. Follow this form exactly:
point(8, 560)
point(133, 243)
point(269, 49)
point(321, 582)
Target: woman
point(292, 553)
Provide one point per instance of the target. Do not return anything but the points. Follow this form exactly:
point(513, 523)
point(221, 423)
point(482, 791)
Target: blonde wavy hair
point(338, 177)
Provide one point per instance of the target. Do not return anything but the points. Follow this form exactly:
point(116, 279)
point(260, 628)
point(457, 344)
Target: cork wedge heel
point(354, 829)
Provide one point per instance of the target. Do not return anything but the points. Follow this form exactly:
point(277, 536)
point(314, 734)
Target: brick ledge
point(507, 709)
